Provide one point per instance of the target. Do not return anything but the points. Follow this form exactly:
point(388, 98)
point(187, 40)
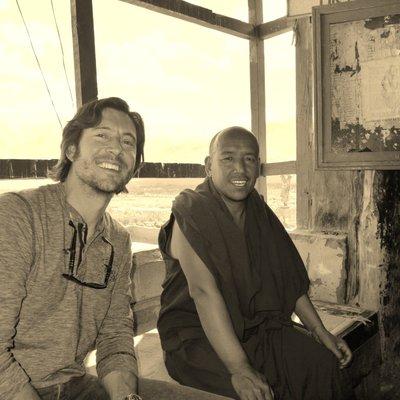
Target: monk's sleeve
point(194, 221)
point(17, 255)
point(294, 274)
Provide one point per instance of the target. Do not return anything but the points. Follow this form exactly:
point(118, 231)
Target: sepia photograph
point(199, 199)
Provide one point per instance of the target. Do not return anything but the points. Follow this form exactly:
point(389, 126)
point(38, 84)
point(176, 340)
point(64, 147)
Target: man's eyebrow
point(226, 152)
point(130, 134)
point(109, 129)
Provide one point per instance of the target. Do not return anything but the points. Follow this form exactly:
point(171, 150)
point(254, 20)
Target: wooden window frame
point(255, 31)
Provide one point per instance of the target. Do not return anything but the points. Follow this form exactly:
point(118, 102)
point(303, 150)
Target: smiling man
point(65, 271)
point(233, 280)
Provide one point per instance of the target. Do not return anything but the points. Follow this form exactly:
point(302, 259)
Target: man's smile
point(109, 166)
point(239, 182)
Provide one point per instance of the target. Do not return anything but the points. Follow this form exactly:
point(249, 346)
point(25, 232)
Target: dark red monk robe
point(260, 276)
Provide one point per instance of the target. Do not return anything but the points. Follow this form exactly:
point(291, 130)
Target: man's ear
point(259, 167)
point(70, 152)
point(207, 164)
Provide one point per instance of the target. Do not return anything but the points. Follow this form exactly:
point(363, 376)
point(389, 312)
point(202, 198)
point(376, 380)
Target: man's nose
point(115, 146)
point(239, 165)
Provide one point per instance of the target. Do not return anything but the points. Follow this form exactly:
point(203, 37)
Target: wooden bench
point(357, 326)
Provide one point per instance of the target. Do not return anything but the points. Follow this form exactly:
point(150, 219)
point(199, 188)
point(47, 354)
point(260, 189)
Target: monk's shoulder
point(189, 199)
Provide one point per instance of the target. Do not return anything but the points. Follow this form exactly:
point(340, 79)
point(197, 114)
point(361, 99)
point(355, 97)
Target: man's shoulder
point(116, 229)
point(32, 194)
point(21, 198)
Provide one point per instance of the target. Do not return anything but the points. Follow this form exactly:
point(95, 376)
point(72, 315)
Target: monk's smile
point(239, 182)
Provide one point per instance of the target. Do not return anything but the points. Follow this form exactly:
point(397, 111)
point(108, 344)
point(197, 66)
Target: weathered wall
point(325, 257)
point(344, 202)
point(387, 195)
point(364, 206)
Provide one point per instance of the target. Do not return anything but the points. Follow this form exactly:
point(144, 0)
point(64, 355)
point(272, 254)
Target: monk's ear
point(259, 167)
point(207, 164)
point(70, 152)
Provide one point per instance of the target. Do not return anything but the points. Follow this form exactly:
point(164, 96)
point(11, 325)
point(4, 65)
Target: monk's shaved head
point(233, 164)
point(235, 131)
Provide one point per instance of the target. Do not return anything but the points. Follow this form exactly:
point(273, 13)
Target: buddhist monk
point(234, 278)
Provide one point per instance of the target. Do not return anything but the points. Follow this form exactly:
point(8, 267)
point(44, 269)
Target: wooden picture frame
point(357, 84)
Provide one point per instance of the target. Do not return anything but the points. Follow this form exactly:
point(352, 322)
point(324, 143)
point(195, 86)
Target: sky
point(186, 81)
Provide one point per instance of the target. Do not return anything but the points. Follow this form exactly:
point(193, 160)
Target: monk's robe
point(260, 276)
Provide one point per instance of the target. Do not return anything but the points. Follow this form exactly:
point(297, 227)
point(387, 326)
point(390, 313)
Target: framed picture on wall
point(357, 85)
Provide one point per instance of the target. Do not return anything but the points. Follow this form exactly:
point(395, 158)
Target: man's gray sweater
point(48, 323)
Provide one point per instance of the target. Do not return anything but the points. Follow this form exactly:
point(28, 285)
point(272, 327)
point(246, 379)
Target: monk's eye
point(227, 159)
point(250, 159)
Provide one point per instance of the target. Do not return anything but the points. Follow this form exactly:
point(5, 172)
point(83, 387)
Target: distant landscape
point(148, 203)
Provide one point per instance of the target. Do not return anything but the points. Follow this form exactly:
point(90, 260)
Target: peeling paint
point(369, 252)
point(381, 22)
point(326, 264)
point(356, 138)
point(317, 282)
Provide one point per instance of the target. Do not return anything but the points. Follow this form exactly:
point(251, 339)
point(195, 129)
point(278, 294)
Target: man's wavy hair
point(88, 116)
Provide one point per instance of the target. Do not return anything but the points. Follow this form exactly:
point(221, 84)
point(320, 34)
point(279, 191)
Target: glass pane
point(147, 206)
point(281, 197)
point(142, 211)
point(29, 125)
point(274, 9)
point(188, 82)
point(280, 98)
point(13, 185)
point(231, 8)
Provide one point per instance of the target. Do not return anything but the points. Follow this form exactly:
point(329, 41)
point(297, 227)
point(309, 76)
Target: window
point(280, 97)
point(274, 9)
point(30, 128)
point(14, 185)
point(282, 198)
point(280, 93)
point(187, 81)
point(147, 206)
point(231, 8)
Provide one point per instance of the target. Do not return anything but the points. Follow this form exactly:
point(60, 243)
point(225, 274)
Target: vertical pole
point(304, 122)
point(257, 87)
point(84, 51)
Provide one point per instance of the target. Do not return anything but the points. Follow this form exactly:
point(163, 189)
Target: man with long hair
point(65, 270)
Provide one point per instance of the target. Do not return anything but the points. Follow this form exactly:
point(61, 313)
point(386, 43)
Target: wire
point(62, 52)
point(38, 63)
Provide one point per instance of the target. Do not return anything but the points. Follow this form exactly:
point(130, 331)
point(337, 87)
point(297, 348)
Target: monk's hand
point(249, 384)
point(335, 344)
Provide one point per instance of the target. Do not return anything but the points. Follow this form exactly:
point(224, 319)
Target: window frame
point(255, 31)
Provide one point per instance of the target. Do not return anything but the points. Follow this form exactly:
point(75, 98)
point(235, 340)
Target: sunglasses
point(75, 251)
